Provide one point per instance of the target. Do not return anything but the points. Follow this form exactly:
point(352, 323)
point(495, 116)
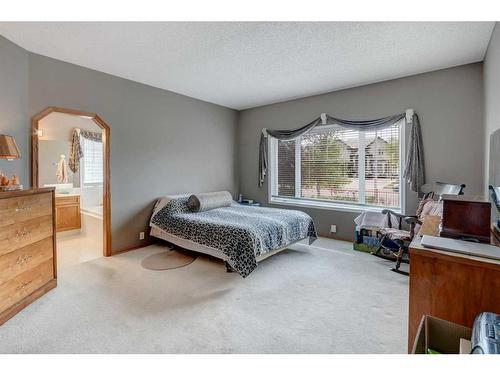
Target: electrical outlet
point(141, 235)
point(333, 228)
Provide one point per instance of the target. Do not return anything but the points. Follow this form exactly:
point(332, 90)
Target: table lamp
point(9, 151)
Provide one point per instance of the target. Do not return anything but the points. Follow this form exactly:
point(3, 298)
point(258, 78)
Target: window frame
point(272, 181)
point(82, 169)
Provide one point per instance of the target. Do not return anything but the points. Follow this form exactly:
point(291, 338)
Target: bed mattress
point(242, 233)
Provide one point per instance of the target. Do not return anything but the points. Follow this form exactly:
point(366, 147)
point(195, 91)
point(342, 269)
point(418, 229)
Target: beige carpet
point(324, 298)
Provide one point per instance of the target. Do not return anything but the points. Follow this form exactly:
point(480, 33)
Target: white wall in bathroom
point(59, 126)
point(49, 154)
point(90, 196)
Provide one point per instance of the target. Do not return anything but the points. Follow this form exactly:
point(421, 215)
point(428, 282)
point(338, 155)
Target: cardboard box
point(366, 240)
point(440, 336)
point(465, 346)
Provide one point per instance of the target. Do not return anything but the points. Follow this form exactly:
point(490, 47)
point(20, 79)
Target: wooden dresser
point(451, 286)
point(27, 248)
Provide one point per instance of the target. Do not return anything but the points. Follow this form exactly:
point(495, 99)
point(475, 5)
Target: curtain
point(414, 167)
point(76, 152)
point(93, 136)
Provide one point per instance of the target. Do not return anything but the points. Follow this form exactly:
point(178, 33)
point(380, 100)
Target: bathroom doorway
point(70, 151)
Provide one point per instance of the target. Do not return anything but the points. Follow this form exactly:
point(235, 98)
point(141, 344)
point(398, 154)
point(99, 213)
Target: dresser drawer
point(24, 284)
point(26, 258)
point(22, 234)
point(71, 200)
point(19, 209)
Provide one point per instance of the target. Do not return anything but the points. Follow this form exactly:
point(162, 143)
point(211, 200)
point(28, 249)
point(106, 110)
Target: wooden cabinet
point(27, 248)
point(68, 213)
point(450, 286)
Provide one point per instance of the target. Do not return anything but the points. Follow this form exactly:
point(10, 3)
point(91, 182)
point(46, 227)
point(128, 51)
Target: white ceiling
point(242, 65)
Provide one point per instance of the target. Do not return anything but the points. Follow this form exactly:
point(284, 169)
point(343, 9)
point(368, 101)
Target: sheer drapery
point(414, 166)
point(76, 152)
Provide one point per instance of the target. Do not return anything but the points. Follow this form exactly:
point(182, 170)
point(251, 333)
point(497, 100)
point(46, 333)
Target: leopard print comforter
point(243, 233)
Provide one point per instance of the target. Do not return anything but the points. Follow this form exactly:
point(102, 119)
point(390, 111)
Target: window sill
point(329, 206)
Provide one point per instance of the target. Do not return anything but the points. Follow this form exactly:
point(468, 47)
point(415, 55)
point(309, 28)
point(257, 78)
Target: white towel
point(62, 171)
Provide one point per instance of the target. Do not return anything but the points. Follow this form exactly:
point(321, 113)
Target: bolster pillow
point(208, 201)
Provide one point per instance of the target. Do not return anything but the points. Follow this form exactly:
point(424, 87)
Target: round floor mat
point(168, 260)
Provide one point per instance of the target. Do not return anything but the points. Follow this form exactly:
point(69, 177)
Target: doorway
point(70, 151)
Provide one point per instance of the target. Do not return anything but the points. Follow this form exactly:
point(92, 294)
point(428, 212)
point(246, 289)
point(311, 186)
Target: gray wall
point(449, 103)
point(13, 104)
point(161, 142)
point(491, 94)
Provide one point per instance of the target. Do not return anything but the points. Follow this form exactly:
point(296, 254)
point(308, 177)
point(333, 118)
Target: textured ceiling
point(242, 65)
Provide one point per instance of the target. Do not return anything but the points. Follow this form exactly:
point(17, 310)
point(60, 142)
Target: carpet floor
point(324, 298)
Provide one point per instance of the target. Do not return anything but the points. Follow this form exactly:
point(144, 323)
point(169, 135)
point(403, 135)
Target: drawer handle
point(21, 209)
point(23, 259)
point(22, 233)
point(24, 285)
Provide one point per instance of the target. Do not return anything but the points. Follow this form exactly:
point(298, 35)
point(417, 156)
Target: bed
point(240, 235)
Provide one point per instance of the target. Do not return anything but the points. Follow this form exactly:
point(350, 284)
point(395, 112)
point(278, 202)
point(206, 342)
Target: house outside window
point(338, 168)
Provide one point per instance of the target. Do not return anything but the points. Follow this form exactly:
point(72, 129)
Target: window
point(332, 166)
point(91, 163)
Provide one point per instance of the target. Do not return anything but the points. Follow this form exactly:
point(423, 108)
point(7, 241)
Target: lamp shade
point(8, 147)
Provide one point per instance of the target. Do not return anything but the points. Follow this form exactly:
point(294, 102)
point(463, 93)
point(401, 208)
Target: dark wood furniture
point(68, 216)
point(27, 248)
point(450, 286)
point(466, 217)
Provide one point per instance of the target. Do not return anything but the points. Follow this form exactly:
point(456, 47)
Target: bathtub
point(91, 199)
point(95, 211)
point(91, 229)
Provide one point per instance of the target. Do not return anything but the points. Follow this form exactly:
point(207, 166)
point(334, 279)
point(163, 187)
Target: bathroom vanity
point(68, 215)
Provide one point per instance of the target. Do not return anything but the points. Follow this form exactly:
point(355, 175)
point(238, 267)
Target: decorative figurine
point(4, 181)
